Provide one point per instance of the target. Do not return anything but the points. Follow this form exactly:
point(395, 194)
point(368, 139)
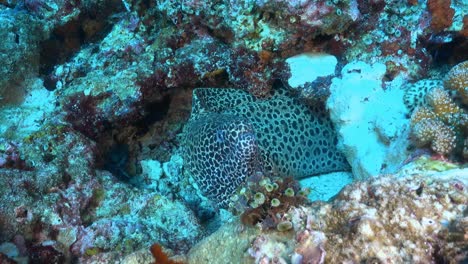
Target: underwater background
point(243, 131)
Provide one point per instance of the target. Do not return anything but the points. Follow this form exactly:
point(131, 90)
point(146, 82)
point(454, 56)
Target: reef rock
point(410, 217)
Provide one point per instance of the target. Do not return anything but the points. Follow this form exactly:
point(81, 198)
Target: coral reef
point(139, 219)
point(97, 218)
point(265, 202)
point(457, 80)
point(441, 14)
point(235, 22)
point(19, 54)
point(438, 121)
point(232, 236)
point(94, 96)
point(407, 217)
point(399, 34)
point(40, 33)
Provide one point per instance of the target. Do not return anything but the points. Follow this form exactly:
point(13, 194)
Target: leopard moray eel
point(231, 135)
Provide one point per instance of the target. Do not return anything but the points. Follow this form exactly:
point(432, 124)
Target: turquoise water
point(240, 131)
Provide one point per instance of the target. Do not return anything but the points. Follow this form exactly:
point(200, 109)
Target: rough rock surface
point(409, 217)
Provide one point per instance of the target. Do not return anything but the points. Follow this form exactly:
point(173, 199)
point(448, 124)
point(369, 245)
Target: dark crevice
point(118, 146)
point(66, 40)
point(154, 112)
point(447, 48)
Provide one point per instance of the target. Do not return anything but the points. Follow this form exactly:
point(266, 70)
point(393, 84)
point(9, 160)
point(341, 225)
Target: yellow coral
point(444, 107)
point(441, 101)
point(444, 140)
point(438, 121)
point(457, 80)
point(442, 124)
point(441, 137)
point(421, 113)
point(424, 131)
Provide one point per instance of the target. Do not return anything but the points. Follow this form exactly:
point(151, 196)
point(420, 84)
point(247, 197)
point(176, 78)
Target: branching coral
point(444, 107)
point(266, 202)
point(440, 119)
point(442, 125)
point(434, 132)
point(410, 217)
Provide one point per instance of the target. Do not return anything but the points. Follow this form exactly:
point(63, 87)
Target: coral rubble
point(410, 217)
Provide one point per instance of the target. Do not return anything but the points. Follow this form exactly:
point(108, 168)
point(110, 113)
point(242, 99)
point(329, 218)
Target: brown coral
point(265, 201)
point(457, 80)
point(160, 256)
point(422, 113)
point(434, 132)
point(464, 31)
point(438, 126)
point(442, 14)
point(444, 107)
point(439, 122)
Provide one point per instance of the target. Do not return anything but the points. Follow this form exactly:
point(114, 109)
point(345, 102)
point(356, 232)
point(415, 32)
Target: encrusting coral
point(438, 121)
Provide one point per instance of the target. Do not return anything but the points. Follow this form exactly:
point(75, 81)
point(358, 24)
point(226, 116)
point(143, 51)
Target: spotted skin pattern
point(231, 135)
point(415, 94)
